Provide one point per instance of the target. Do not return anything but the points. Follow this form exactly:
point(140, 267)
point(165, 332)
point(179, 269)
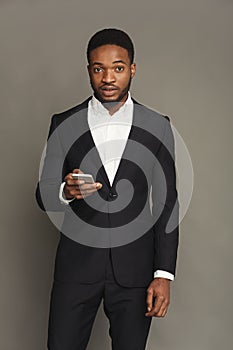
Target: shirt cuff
point(62, 198)
point(164, 274)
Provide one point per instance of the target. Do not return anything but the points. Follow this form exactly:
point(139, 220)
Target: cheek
point(95, 79)
point(124, 80)
point(122, 77)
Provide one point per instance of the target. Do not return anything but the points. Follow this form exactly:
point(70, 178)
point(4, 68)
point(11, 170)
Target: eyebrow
point(118, 61)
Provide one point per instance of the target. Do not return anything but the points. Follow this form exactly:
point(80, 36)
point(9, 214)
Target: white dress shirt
point(104, 129)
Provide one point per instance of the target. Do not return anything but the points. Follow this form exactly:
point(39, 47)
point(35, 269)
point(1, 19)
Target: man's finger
point(161, 312)
point(77, 171)
point(72, 182)
point(86, 192)
point(149, 300)
point(87, 186)
point(159, 303)
point(83, 195)
point(81, 190)
point(156, 308)
point(78, 196)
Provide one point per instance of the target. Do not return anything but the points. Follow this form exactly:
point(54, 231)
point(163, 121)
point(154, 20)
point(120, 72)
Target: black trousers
point(74, 306)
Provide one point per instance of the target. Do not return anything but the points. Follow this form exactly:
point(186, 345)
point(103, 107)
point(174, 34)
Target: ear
point(133, 69)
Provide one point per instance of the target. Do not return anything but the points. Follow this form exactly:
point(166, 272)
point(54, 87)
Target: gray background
point(184, 55)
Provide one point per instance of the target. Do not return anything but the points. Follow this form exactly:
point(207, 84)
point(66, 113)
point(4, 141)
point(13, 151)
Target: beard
point(113, 103)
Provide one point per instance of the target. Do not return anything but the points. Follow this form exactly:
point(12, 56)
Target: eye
point(119, 68)
point(97, 69)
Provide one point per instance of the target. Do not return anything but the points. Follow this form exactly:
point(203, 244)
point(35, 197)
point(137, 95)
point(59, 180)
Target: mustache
point(106, 85)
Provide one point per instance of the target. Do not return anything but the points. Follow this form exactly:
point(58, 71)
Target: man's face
point(110, 73)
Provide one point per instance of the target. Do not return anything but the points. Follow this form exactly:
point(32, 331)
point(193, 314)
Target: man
point(110, 247)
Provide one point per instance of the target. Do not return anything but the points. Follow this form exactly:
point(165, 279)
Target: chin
point(111, 99)
point(104, 99)
point(114, 99)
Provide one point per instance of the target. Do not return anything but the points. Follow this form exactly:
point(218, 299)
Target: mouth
point(108, 90)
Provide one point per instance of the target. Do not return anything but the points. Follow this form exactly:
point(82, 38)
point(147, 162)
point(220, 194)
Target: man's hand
point(160, 289)
point(78, 188)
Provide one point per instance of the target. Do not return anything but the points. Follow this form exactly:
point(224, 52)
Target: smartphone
point(88, 178)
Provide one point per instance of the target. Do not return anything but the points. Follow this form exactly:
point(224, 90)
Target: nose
point(108, 76)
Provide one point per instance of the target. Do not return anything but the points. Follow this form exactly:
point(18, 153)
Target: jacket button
point(112, 195)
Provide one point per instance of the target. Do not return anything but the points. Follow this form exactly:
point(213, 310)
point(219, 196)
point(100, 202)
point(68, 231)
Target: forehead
point(109, 54)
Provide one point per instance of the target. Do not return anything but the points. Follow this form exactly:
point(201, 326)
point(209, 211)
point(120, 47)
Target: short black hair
point(111, 36)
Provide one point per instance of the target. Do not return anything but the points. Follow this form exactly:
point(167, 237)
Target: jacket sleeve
point(165, 204)
point(53, 169)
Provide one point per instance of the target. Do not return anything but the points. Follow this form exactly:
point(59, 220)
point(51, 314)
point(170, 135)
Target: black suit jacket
point(150, 148)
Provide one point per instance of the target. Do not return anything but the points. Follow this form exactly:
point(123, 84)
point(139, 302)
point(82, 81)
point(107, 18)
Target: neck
point(113, 107)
